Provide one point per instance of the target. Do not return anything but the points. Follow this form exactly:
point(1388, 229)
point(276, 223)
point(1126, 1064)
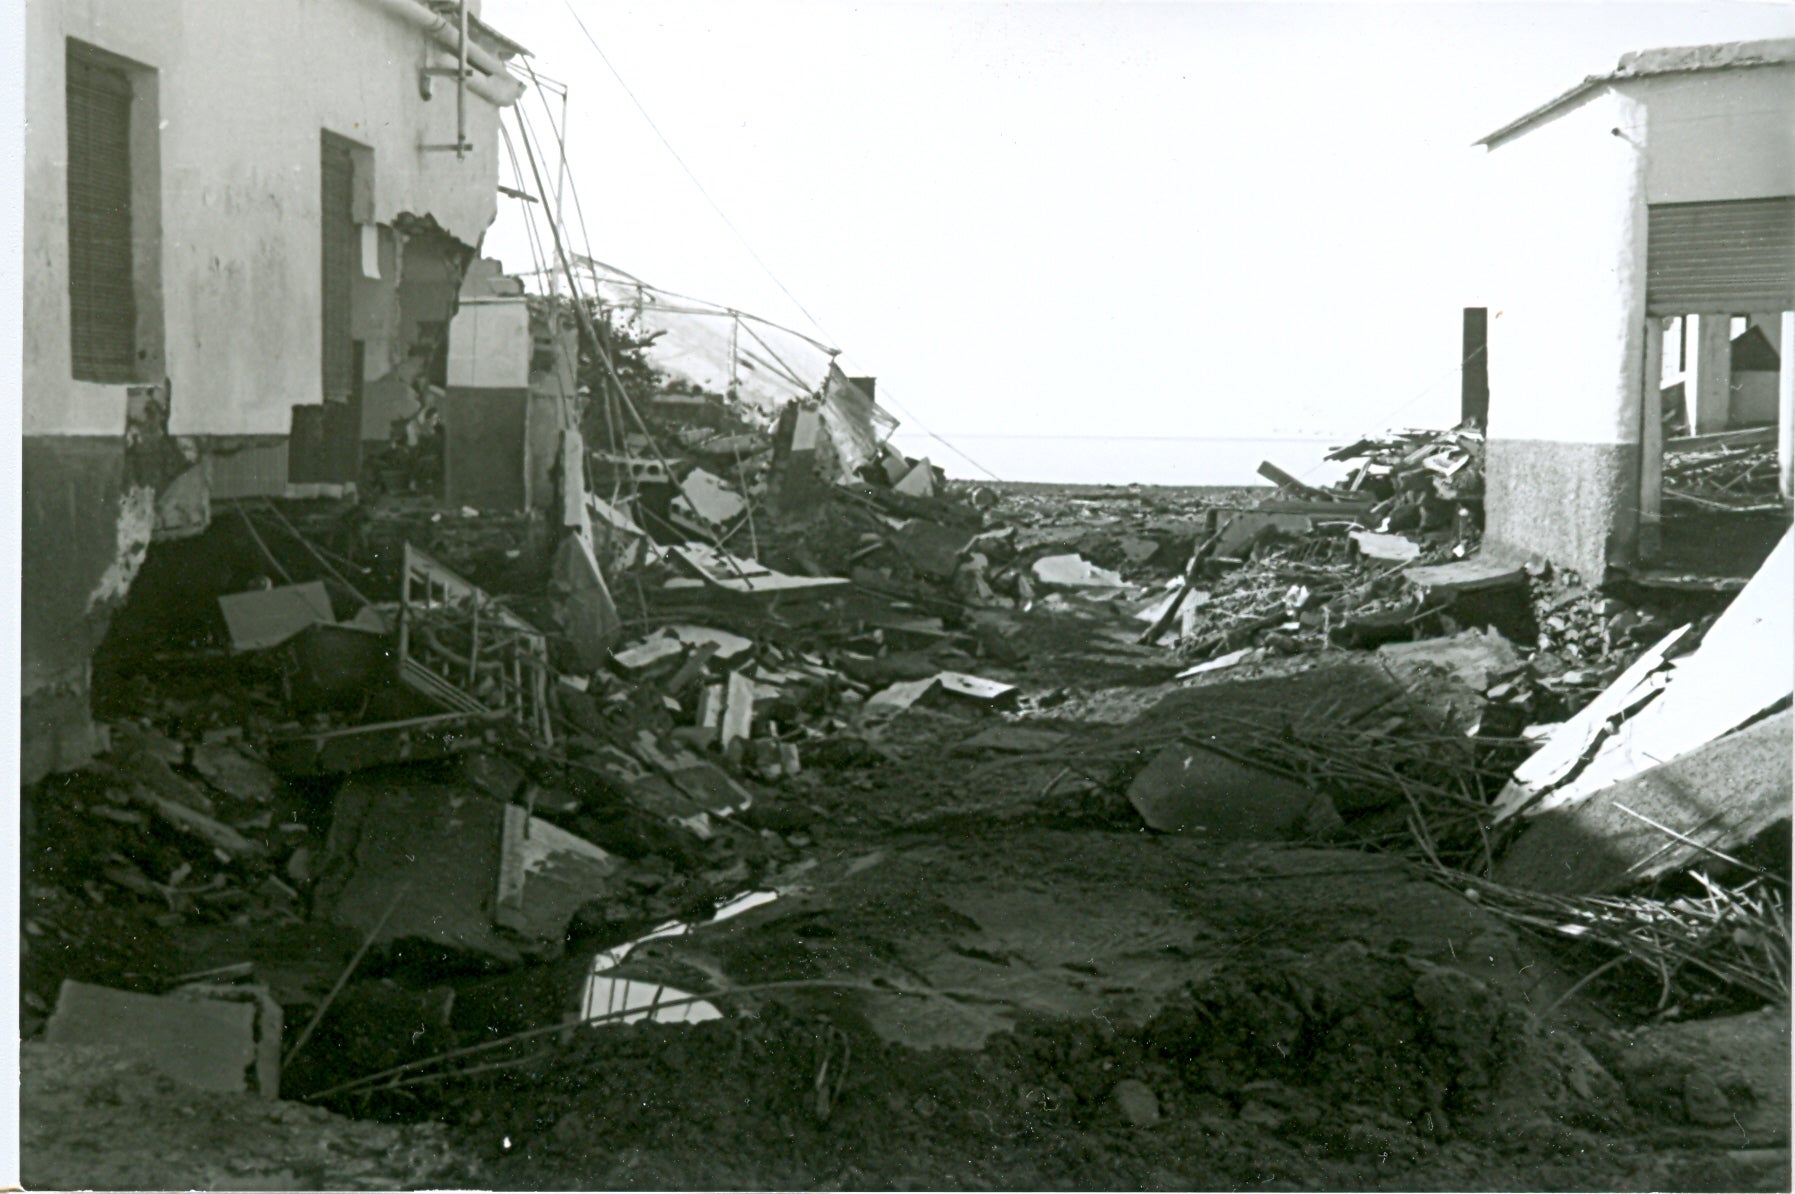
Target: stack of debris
point(1732, 470)
point(1423, 484)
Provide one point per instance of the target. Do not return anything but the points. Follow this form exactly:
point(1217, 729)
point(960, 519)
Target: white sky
point(1076, 220)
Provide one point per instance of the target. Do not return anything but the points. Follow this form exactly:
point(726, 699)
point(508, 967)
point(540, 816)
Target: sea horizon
point(1216, 460)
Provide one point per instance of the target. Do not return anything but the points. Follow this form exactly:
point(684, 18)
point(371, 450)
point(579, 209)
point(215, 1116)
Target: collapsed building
point(247, 227)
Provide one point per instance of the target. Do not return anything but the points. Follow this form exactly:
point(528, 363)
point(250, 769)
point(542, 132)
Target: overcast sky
point(1076, 220)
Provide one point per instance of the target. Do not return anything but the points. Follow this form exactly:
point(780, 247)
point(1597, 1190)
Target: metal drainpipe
point(501, 88)
point(461, 82)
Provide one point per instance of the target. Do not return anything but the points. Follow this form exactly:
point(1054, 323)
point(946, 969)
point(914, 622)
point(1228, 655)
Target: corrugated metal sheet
point(102, 302)
point(1721, 258)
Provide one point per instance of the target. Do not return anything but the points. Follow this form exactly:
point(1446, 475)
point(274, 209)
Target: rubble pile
point(496, 752)
point(1732, 471)
point(1424, 484)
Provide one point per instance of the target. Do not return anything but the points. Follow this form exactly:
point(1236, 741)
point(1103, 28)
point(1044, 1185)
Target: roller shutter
point(339, 236)
point(1721, 258)
point(102, 303)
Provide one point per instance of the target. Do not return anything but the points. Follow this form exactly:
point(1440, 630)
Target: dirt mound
point(1310, 1044)
point(93, 1119)
point(1348, 1069)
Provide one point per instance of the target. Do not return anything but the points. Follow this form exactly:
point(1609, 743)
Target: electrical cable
point(724, 216)
point(721, 214)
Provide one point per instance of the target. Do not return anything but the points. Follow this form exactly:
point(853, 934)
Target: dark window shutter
point(339, 236)
point(1721, 258)
point(102, 303)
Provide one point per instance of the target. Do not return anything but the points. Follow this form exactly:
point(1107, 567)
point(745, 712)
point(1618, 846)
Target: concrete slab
point(1719, 797)
point(1471, 657)
point(1464, 576)
point(432, 847)
point(1188, 790)
point(269, 617)
point(1012, 740)
point(205, 1043)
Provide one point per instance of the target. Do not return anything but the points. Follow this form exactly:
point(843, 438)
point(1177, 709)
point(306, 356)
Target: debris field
point(758, 808)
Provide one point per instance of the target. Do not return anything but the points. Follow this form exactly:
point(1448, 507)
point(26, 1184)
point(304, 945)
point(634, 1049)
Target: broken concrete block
point(545, 875)
point(1193, 791)
point(931, 548)
point(493, 774)
point(1248, 527)
point(729, 646)
point(1472, 657)
point(711, 498)
point(1074, 572)
point(919, 481)
point(207, 1043)
point(581, 603)
point(738, 710)
point(1374, 546)
point(1137, 550)
point(899, 697)
point(234, 773)
point(976, 689)
point(1464, 576)
point(640, 658)
point(427, 850)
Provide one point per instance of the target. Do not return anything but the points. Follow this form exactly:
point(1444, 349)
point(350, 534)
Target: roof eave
point(1540, 113)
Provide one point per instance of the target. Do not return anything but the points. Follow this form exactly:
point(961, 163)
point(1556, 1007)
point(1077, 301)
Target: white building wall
point(1719, 135)
point(1567, 301)
point(244, 89)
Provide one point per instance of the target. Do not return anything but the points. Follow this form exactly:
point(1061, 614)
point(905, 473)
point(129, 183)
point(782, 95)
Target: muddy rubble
point(766, 810)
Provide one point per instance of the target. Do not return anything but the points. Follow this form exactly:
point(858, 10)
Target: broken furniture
point(466, 652)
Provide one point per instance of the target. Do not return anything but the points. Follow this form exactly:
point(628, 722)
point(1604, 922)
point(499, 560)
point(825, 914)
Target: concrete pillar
point(1474, 384)
point(1785, 408)
point(1708, 381)
point(1651, 445)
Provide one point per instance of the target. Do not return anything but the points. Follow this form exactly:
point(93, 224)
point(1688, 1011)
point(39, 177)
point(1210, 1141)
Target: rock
point(235, 774)
point(1135, 1101)
point(1704, 1102)
point(1193, 791)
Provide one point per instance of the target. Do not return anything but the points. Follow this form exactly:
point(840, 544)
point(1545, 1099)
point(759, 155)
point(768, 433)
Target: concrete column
point(1785, 408)
point(1651, 444)
point(1708, 381)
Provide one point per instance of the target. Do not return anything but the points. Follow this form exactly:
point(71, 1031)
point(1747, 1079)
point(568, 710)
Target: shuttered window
point(341, 245)
point(1721, 258)
point(102, 303)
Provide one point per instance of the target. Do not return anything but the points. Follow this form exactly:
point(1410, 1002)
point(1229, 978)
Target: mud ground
point(990, 977)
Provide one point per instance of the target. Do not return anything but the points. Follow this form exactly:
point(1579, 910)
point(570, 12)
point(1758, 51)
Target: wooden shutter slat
point(102, 288)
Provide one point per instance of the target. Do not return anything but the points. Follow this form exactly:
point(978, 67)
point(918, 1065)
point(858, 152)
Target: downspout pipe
point(498, 86)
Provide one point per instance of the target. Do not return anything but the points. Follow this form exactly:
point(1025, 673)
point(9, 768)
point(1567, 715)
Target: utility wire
point(721, 214)
point(724, 216)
